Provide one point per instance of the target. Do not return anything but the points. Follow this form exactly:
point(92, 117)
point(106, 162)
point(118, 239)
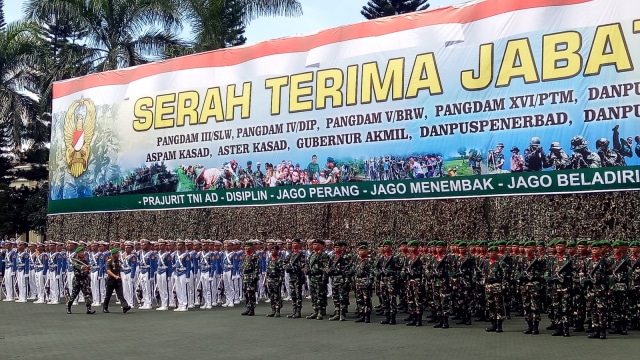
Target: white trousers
point(54, 286)
point(40, 290)
point(33, 288)
point(228, 287)
point(95, 290)
point(216, 296)
point(182, 284)
point(22, 284)
point(172, 290)
point(163, 289)
point(205, 282)
point(127, 288)
point(9, 283)
point(147, 288)
point(237, 289)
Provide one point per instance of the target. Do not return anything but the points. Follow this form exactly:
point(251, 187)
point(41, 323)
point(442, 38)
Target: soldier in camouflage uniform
point(250, 276)
point(583, 157)
point(403, 255)
point(388, 269)
point(531, 275)
point(560, 276)
point(594, 277)
point(317, 267)
point(274, 278)
point(558, 158)
point(480, 298)
point(619, 288)
point(412, 274)
point(294, 265)
point(364, 276)
point(427, 280)
point(441, 275)
point(340, 272)
point(634, 293)
point(508, 265)
point(81, 280)
point(579, 294)
point(464, 266)
point(493, 278)
point(608, 157)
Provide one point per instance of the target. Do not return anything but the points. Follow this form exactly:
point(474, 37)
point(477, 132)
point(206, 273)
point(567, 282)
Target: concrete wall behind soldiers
point(611, 215)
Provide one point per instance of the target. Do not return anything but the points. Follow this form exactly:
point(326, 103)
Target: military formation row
point(592, 284)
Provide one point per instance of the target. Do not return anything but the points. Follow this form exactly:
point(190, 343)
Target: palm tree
point(19, 45)
point(122, 33)
point(218, 24)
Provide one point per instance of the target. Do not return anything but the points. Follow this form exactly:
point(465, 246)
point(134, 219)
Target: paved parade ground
point(29, 331)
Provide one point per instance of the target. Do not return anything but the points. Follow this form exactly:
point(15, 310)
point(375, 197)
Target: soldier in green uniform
point(403, 255)
point(388, 269)
point(81, 280)
point(560, 276)
point(480, 297)
point(364, 275)
point(340, 272)
point(493, 278)
point(317, 267)
point(594, 277)
point(250, 276)
point(578, 291)
point(412, 273)
point(583, 157)
point(634, 293)
point(294, 265)
point(531, 276)
point(619, 288)
point(441, 274)
point(274, 278)
point(464, 268)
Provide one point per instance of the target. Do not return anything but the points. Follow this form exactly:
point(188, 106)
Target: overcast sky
point(318, 15)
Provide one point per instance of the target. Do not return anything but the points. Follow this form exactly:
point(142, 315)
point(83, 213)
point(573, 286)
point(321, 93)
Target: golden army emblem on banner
point(79, 125)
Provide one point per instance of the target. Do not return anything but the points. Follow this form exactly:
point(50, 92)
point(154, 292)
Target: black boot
point(272, 314)
point(499, 327)
point(419, 319)
point(278, 313)
point(297, 314)
point(90, 311)
point(361, 319)
point(438, 322)
point(367, 318)
point(493, 327)
point(393, 319)
point(559, 331)
point(69, 307)
point(105, 310)
point(245, 313)
point(445, 322)
point(565, 330)
point(252, 312)
point(552, 326)
point(386, 320)
point(343, 314)
point(595, 334)
point(603, 333)
point(336, 315)
point(623, 327)
point(408, 318)
point(313, 315)
point(529, 328)
point(536, 331)
point(411, 320)
point(579, 326)
point(293, 314)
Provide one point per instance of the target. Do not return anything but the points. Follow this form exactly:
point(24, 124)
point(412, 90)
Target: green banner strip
point(548, 182)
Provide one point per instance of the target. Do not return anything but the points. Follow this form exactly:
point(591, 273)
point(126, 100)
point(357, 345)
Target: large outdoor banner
point(495, 97)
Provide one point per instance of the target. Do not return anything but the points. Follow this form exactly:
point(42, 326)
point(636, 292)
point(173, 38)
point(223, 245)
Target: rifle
point(525, 274)
point(558, 278)
point(618, 268)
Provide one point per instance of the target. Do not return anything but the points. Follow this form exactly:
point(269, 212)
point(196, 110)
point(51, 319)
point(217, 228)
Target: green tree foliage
point(376, 9)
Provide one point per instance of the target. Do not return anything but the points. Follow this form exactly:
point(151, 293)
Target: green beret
point(441, 243)
point(493, 248)
point(501, 243)
point(560, 242)
point(530, 243)
point(582, 242)
point(482, 243)
point(114, 251)
point(79, 248)
point(365, 243)
point(340, 243)
point(596, 244)
point(633, 243)
point(462, 243)
point(619, 243)
point(404, 242)
point(605, 243)
point(541, 243)
point(387, 242)
point(552, 242)
point(413, 243)
point(248, 243)
point(571, 243)
point(363, 247)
